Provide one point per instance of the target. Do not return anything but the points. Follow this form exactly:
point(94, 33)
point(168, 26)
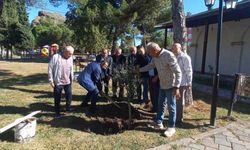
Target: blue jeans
point(57, 96)
point(166, 98)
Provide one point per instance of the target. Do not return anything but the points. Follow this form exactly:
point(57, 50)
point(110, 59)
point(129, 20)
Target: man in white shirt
point(60, 74)
point(184, 62)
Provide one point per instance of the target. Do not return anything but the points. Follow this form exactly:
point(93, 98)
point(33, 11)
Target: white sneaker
point(156, 126)
point(169, 132)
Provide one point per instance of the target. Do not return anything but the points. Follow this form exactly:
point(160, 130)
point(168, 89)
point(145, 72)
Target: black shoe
point(93, 109)
point(179, 123)
point(58, 116)
point(84, 104)
point(114, 97)
point(152, 111)
point(69, 109)
point(121, 95)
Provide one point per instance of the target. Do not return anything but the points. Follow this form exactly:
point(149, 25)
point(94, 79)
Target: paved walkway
point(235, 136)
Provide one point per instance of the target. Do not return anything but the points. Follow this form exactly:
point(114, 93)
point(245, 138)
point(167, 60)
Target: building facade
point(234, 52)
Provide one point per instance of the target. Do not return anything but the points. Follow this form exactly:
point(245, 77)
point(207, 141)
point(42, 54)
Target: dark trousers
point(115, 85)
point(180, 104)
point(138, 90)
point(145, 84)
point(91, 96)
point(57, 96)
point(154, 88)
point(106, 84)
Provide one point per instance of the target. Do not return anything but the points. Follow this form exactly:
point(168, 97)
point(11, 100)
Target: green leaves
point(15, 30)
point(98, 18)
point(48, 32)
point(22, 13)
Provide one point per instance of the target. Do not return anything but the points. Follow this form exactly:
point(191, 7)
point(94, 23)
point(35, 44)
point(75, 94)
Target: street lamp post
point(229, 4)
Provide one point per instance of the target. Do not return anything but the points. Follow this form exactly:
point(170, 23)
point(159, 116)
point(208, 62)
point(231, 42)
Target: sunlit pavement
point(235, 136)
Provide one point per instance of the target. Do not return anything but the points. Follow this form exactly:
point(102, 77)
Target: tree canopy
point(14, 26)
point(48, 32)
point(100, 23)
point(90, 24)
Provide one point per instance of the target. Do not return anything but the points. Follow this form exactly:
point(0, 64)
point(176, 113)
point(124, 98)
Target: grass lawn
point(24, 88)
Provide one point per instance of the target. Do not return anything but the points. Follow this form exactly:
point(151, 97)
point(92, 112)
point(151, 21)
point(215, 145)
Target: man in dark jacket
point(90, 79)
point(119, 60)
point(106, 73)
point(132, 56)
point(142, 60)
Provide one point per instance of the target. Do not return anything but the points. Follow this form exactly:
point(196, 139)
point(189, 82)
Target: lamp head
point(209, 3)
point(230, 4)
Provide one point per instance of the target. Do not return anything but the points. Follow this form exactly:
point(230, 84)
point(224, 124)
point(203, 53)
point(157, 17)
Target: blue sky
point(193, 6)
point(33, 12)
point(197, 6)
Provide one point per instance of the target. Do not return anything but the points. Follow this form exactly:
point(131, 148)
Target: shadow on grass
point(29, 60)
point(45, 94)
point(7, 136)
point(26, 110)
point(4, 72)
point(23, 80)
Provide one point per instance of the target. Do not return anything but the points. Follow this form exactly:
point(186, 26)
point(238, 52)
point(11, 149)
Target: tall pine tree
point(14, 27)
point(22, 13)
point(8, 17)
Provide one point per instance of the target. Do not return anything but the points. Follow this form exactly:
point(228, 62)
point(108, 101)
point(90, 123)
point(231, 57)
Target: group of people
point(166, 76)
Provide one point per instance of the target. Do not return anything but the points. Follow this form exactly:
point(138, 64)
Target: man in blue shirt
point(90, 79)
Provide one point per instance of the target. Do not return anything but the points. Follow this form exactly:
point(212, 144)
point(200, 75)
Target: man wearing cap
point(53, 49)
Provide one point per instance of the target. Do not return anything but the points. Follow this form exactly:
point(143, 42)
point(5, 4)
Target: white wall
point(234, 56)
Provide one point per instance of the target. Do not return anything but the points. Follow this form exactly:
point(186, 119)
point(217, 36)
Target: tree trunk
point(114, 41)
point(110, 34)
point(1, 52)
point(11, 52)
point(179, 23)
point(1, 7)
point(180, 34)
point(7, 53)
